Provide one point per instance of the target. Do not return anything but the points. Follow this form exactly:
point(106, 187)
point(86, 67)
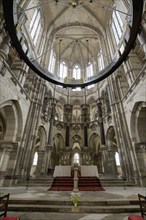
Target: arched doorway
point(138, 133)
point(10, 136)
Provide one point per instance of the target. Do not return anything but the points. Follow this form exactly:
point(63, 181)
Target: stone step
point(68, 202)
point(70, 209)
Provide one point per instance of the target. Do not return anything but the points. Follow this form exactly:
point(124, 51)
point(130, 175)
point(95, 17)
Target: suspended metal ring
point(12, 24)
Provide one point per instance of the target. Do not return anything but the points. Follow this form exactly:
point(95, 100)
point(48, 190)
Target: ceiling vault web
point(82, 26)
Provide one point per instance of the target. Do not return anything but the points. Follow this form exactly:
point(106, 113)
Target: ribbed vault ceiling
point(79, 28)
point(77, 31)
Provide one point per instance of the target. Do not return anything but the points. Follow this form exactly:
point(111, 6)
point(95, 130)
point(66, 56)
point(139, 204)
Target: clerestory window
point(52, 60)
point(89, 73)
point(117, 26)
point(77, 72)
point(35, 26)
point(100, 61)
point(63, 70)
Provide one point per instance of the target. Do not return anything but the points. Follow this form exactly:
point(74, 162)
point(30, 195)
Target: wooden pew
point(142, 203)
point(4, 200)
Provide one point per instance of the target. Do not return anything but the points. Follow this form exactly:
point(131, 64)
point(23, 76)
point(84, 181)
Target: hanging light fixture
point(87, 41)
point(59, 54)
point(11, 16)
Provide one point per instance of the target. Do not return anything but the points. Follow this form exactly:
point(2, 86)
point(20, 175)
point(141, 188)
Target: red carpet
point(89, 184)
point(84, 184)
point(62, 184)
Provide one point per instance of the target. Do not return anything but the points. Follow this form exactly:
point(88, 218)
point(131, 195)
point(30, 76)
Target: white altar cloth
point(61, 171)
point(89, 171)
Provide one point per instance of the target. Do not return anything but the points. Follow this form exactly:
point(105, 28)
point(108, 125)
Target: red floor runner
point(84, 184)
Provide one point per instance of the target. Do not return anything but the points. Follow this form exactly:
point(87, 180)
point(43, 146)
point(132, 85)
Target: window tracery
point(52, 60)
point(35, 26)
point(63, 70)
point(117, 26)
point(77, 72)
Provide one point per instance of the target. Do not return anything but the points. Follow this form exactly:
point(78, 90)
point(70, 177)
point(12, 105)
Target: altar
point(89, 171)
point(62, 171)
point(85, 171)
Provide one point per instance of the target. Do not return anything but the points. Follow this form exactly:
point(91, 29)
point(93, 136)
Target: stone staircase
point(89, 184)
point(108, 206)
point(47, 181)
point(62, 184)
point(114, 182)
point(37, 182)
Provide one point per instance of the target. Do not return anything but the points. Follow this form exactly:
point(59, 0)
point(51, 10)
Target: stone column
point(99, 163)
point(25, 159)
point(142, 35)
point(39, 163)
point(7, 162)
point(141, 158)
point(52, 117)
point(67, 120)
point(2, 32)
point(75, 189)
point(118, 128)
point(112, 163)
point(20, 70)
point(85, 117)
point(4, 50)
point(102, 137)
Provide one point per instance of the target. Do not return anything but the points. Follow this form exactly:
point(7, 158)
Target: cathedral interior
point(72, 88)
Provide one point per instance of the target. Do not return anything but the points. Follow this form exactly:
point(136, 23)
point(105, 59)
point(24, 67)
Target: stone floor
point(41, 193)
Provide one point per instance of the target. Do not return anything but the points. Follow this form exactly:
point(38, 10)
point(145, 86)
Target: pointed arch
point(12, 118)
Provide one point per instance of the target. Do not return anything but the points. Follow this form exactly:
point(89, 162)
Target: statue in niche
point(45, 105)
point(46, 108)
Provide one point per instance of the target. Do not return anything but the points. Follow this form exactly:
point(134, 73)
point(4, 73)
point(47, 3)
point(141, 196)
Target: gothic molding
point(8, 146)
point(59, 125)
point(140, 147)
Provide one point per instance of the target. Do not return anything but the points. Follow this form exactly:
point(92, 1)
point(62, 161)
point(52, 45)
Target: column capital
point(8, 146)
point(104, 147)
point(48, 147)
point(140, 147)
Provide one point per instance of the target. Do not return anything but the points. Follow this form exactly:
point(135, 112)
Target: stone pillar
point(141, 158)
point(5, 47)
point(4, 50)
point(112, 163)
point(85, 118)
point(52, 117)
point(39, 163)
point(75, 189)
point(48, 159)
point(2, 33)
point(142, 35)
point(7, 162)
point(102, 137)
point(25, 159)
point(99, 163)
point(20, 70)
point(67, 120)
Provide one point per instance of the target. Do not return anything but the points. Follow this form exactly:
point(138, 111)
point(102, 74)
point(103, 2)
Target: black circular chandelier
point(11, 15)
